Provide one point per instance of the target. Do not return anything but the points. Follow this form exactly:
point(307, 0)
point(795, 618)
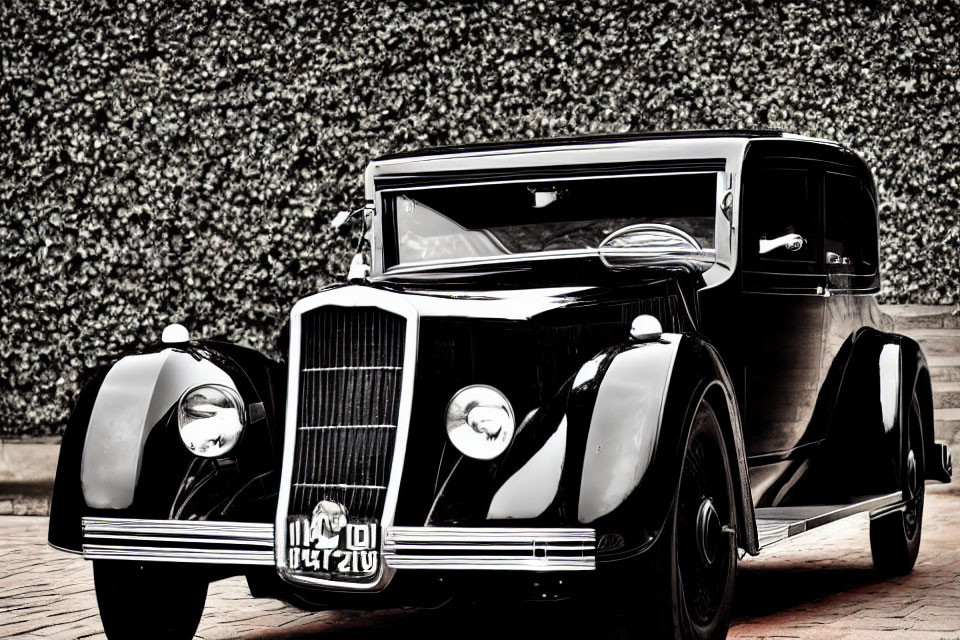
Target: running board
point(779, 523)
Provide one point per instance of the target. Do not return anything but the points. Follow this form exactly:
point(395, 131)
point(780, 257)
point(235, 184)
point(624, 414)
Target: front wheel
point(694, 561)
point(148, 600)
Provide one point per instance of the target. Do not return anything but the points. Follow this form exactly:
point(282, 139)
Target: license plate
point(325, 542)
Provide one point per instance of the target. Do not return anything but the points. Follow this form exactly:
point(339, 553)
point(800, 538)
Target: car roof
point(533, 143)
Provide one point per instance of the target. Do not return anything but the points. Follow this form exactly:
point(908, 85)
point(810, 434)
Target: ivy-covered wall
point(178, 161)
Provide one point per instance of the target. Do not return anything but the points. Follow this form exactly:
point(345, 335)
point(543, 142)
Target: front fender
point(624, 425)
point(608, 450)
point(134, 396)
point(628, 493)
point(121, 454)
point(616, 399)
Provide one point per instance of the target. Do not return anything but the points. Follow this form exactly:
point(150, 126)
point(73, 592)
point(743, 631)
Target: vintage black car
point(588, 367)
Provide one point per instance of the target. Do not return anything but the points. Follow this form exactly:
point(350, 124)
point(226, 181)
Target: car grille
point(351, 370)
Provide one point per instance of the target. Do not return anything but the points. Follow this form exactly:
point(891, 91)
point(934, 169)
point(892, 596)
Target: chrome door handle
point(790, 242)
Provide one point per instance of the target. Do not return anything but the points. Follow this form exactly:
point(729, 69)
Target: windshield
point(518, 218)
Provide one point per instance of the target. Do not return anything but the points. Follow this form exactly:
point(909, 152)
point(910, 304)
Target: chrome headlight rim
point(470, 441)
point(236, 402)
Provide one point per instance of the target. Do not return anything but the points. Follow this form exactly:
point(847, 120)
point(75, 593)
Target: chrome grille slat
point(323, 485)
point(370, 368)
point(349, 426)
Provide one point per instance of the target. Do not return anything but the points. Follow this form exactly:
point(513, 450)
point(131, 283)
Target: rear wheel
point(694, 561)
point(148, 600)
point(895, 537)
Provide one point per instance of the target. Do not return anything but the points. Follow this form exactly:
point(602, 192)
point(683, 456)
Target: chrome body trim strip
point(346, 297)
point(490, 548)
point(64, 549)
point(704, 257)
point(197, 541)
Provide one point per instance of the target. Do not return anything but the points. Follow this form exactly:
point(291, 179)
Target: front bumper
point(492, 548)
point(536, 549)
point(197, 541)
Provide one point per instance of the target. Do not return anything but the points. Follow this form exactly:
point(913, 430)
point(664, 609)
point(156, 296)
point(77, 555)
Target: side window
point(781, 220)
point(850, 236)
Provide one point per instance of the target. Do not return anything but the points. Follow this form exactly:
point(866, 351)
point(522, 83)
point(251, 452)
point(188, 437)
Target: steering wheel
point(654, 228)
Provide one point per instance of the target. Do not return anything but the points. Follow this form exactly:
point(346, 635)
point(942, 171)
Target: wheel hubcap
point(912, 473)
point(708, 532)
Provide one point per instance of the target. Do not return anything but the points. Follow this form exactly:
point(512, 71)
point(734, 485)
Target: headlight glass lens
point(480, 422)
point(211, 420)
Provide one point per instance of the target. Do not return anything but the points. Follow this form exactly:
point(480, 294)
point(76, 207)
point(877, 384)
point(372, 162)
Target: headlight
point(211, 419)
point(480, 422)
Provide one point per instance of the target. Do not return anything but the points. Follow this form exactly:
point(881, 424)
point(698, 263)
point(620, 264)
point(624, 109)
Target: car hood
point(527, 294)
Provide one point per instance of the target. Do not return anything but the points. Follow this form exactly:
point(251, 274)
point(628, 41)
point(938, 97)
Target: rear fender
point(916, 376)
point(866, 441)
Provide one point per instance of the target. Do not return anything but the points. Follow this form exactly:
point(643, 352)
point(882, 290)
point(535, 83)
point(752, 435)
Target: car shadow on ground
point(566, 619)
point(761, 591)
point(766, 590)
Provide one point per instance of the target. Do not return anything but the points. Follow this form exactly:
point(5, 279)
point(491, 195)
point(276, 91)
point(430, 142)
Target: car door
point(783, 287)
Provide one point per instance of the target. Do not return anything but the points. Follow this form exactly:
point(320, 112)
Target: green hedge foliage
point(178, 161)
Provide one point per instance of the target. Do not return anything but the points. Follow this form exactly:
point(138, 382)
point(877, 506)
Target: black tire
point(148, 600)
point(895, 537)
point(689, 597)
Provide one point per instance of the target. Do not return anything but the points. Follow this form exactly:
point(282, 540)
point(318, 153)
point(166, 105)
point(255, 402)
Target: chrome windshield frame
point(530, 256)
point(730, 150)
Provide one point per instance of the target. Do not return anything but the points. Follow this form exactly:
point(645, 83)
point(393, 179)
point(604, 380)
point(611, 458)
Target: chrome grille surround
point(349, 296)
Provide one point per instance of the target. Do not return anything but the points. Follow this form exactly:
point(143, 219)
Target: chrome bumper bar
point(498, 549)
point(200, 541)
point(250, 543)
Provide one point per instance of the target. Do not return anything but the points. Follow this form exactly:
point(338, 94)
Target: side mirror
point(341, 218)
point(359, 268)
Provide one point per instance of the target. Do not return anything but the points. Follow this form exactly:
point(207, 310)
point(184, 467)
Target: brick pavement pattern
point(818, 586)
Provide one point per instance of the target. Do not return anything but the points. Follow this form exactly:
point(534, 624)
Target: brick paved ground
point(819, 586)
